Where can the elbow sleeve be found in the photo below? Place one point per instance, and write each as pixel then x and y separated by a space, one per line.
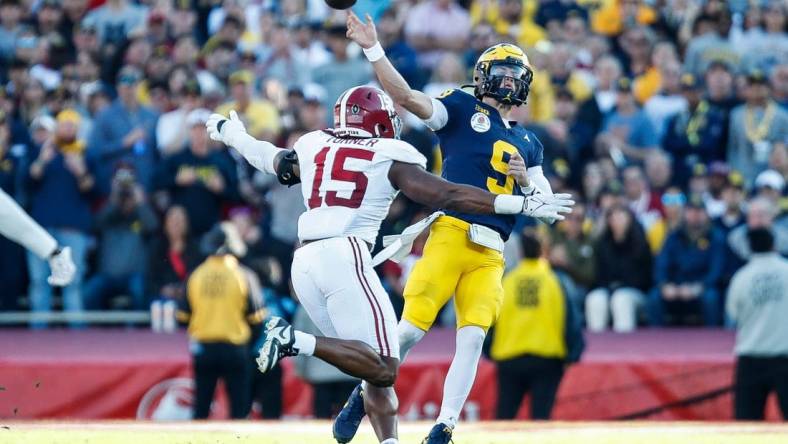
pixel 539 180
pixel 259 153
pixel 439 117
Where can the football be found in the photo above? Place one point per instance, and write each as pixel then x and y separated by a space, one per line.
pixel 340 4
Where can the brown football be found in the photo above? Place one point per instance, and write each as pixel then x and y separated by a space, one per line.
pixel 340 4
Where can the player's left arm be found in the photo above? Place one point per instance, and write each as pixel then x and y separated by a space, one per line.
pixel 264 156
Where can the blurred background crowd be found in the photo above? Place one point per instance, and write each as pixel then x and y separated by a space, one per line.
pixel 667 119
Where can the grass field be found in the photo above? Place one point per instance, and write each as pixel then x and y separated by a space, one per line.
pixel 316 432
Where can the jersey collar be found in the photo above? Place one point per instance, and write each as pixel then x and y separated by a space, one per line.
pixel 509 124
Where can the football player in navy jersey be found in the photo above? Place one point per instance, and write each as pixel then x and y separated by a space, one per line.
pixel 463 256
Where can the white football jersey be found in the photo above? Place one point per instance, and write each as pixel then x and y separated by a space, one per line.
pixel 345 183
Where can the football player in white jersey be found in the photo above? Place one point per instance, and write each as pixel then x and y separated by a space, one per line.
pixel 16 225
pixel 350 174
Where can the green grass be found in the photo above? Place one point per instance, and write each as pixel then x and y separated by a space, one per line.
pixel 314 432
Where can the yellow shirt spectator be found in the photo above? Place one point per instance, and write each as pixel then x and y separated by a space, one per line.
pixel 609 19
pixel 219 307
pixel 260 116
pixel 533 315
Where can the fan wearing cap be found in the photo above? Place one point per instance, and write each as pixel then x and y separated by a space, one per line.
pixel 695 135
pixel 627 134
pixel 259 115
pixel 172 132
pixel 61 186
pixel 123 131
pixel 755 126
pixel 688 269
pixel 199 178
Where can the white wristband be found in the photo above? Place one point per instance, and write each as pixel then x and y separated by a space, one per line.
pixel 509 204
pixel 374 53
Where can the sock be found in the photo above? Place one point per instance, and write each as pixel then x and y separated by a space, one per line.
pixel 390 441
pixel 304 343
pixel 408 335
pixel 461 374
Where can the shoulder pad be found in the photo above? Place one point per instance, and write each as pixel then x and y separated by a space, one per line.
pixel 401 151
pixel 285 169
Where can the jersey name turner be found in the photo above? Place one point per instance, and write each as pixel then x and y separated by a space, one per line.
pixel 345 184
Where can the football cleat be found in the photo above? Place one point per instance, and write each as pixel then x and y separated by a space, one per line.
pixel 279 341
pixel 440 434
pixel 349 419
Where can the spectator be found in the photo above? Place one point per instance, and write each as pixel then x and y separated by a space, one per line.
pixel 172 133
pixel 311 49
pixel 571 131
pixel 755 126
pixel 260 116
pixel 343 71
pixel 659 171
pixel 673 201
pixel 571 255
pixel 772 46
pixel 779 80
pixel 688 270
pixel 124 225
pixel 668 100
pixel 286 205
pixel 10 28
pixel 623 264
pixel 733 217
pixel 707 44
pixel 61 185
pixel 758 302
pixel 399 52
pixel 12 268
pixel 607 72
pixel 283 61
pixel 115 20
pixel 124 132
pixel 448 74
pixel 696 134
pixel 720 89
pixel 761 213
pixel 330 385
pixel 173 256
pixel 199 179
pixel 770 185
pixel 627 134
pixel 435 27
pixel 645 204
pixel 220 309
pixel 533 359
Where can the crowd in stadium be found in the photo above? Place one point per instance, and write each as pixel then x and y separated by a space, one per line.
pixel 667 119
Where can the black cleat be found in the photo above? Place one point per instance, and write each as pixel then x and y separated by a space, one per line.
pixel 279 341
pixel 349 419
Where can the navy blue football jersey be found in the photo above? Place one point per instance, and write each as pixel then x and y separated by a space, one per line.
pixel 476 146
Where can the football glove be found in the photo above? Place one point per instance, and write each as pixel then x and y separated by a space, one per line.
pixel 62 267
pixel 547 207
pixel 222 129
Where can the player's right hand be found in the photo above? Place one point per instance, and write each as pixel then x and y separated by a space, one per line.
pixel 62 268
pixel 548 206
pixel 362 33
pixel 225 130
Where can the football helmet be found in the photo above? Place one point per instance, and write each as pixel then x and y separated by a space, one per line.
pixel 366 111
pixel 497 63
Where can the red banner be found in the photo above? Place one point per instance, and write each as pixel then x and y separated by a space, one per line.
pixel 89 385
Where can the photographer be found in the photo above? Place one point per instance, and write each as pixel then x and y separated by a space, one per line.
pixel 123 226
